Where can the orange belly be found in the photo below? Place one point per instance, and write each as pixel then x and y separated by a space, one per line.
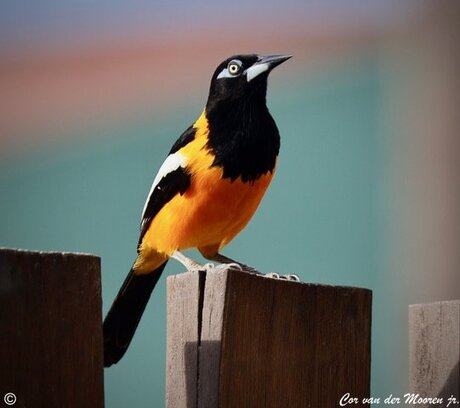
pixel 210 213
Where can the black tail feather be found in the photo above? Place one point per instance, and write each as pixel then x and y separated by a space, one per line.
pixel 121 322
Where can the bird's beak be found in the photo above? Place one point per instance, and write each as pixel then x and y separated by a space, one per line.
pixel 273 60
pixel 265 63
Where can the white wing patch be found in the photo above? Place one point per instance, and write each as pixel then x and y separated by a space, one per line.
pixel 255 70
pixel 172 162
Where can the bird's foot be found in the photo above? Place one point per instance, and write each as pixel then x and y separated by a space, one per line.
pixel 223 266
pixel 238 266
pixel 233 265
pixel 208 267
pixel 290 277
pixel 228 262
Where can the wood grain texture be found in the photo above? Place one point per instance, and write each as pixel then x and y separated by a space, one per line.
pixel 183 308
pixel 211 338
pixel 51 329
pixel 434 349
pixel 274 343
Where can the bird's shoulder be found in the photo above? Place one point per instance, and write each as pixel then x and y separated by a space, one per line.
pixel 184 139
pixel 172 178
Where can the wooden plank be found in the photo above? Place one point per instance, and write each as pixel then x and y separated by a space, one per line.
pixel 211 335
pixel 50 329
pixel 184 293
pixel 434 350
pixel 274 343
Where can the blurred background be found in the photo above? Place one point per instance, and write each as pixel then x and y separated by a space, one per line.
pixel 94 93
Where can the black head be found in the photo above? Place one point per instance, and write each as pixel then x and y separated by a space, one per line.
pixel 242 76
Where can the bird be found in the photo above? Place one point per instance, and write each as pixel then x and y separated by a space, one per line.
pixel 205 192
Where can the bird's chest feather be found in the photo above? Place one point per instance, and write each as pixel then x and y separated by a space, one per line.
pixel 215 209
pixel 215 197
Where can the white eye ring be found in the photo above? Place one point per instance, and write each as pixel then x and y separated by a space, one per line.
pixel 233 67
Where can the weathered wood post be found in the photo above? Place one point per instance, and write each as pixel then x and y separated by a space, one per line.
pixel 236 339
pixel 434 351
pixel 50 330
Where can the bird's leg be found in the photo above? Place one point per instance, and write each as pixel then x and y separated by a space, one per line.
pixel 190 264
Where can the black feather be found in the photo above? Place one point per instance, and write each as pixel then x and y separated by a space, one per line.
pixel 184 139
pixel 243 137
pixel 123 318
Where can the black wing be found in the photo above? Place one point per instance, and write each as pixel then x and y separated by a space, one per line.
pixel 174 182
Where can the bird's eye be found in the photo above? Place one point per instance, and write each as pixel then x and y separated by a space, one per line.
pixel 233 67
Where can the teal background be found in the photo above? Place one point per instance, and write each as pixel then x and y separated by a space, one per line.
pixel 322 217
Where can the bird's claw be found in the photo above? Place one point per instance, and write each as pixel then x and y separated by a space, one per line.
pixel 201 268
pixel 290 277
pixel 208 266
pixel 211 267
pixel 234 265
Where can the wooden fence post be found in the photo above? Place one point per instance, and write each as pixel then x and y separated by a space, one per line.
pixel 434 351
pixel 236 339
pixel 50 330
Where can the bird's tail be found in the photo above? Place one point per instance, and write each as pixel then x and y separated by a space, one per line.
pixel 121 322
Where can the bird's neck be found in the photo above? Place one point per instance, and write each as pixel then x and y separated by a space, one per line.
pixel 237 113
pixel 244 137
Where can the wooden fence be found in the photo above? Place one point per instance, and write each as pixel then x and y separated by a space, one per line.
pixel 50 330
pixel 434 353
pixel 234 339
pixel 241 340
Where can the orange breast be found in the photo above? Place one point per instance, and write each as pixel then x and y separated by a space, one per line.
pixel 211 212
